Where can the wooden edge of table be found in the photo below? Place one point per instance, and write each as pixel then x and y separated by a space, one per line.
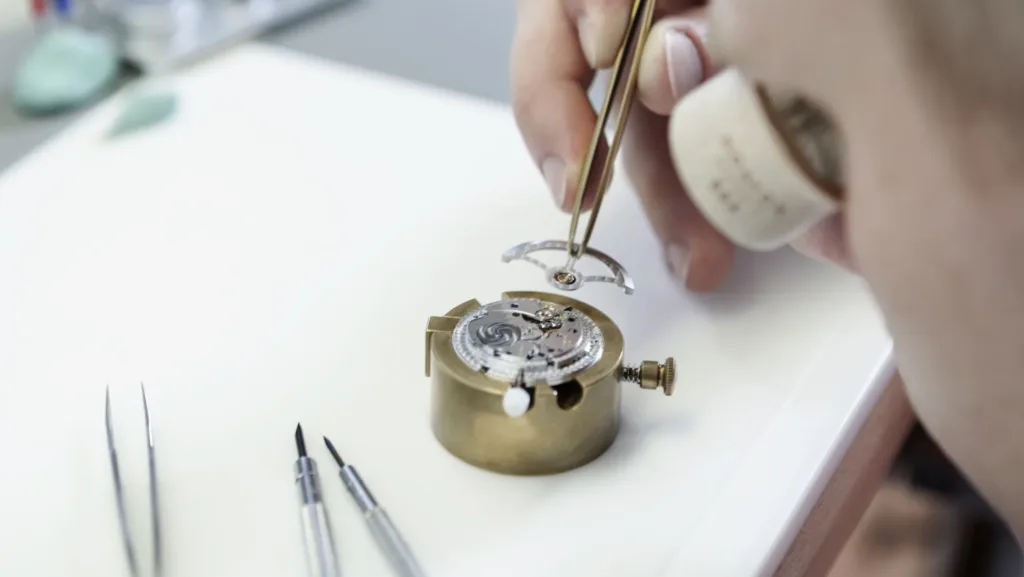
pixel 849 492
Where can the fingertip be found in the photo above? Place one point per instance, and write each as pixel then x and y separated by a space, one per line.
pixel 556 122
pixel 710 264
pixel 653 87
pixel 549 96
pixel 673 63
pixel 701 261
pixel 560 179
pixel 602 27
pixel 677 260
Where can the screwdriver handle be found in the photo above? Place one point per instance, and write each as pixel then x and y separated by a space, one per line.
pixel 392 544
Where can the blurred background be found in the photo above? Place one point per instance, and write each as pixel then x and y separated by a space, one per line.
pixel 925 522
pixel 460 45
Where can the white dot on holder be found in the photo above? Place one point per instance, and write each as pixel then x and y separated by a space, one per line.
pixel 515 402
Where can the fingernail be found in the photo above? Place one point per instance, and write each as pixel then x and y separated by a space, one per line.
pixel 678 260
pixel 553 170
pixel 601 32
pixel 685 62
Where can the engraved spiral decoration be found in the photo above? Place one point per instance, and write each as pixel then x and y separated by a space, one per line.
pixel 499 334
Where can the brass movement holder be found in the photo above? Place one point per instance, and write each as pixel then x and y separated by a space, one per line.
pixel 576 419
pixel 567 426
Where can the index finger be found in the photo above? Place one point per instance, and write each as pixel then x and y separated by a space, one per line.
pixel 550 76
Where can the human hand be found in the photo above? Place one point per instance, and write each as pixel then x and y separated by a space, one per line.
pixel 558 46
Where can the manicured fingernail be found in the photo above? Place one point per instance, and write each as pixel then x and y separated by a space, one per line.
pixel 678 260
pixel 553 170
pixel 685 62
pixel 601 32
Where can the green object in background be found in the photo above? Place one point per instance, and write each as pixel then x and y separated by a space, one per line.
pixel 67 69
pixel 144 108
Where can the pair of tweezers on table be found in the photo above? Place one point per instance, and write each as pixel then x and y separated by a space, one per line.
pixel 154 511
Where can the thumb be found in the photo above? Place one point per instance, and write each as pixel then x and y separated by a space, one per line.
pixel 675 60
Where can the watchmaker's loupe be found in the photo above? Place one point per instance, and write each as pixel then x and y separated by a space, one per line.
pixel 530 384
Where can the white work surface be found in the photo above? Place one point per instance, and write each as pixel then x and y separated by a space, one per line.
pixel 272 256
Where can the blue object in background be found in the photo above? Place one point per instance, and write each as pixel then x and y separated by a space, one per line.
pixel 62 8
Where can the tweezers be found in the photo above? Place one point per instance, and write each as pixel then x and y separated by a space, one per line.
pixel 133 564
pixel 621 89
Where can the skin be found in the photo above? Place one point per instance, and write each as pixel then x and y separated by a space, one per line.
pixel 926 97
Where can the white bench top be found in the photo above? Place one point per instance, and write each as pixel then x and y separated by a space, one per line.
pixel 272 256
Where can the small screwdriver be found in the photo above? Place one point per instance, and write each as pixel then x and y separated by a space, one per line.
pixel 321 559
pixel 390 541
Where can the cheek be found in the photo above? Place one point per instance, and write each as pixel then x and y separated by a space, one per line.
pixel 869 223
pixel 883 220
pixel 732 32
pixel 791 44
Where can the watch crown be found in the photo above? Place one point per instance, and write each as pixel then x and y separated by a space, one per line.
pixel 652 375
